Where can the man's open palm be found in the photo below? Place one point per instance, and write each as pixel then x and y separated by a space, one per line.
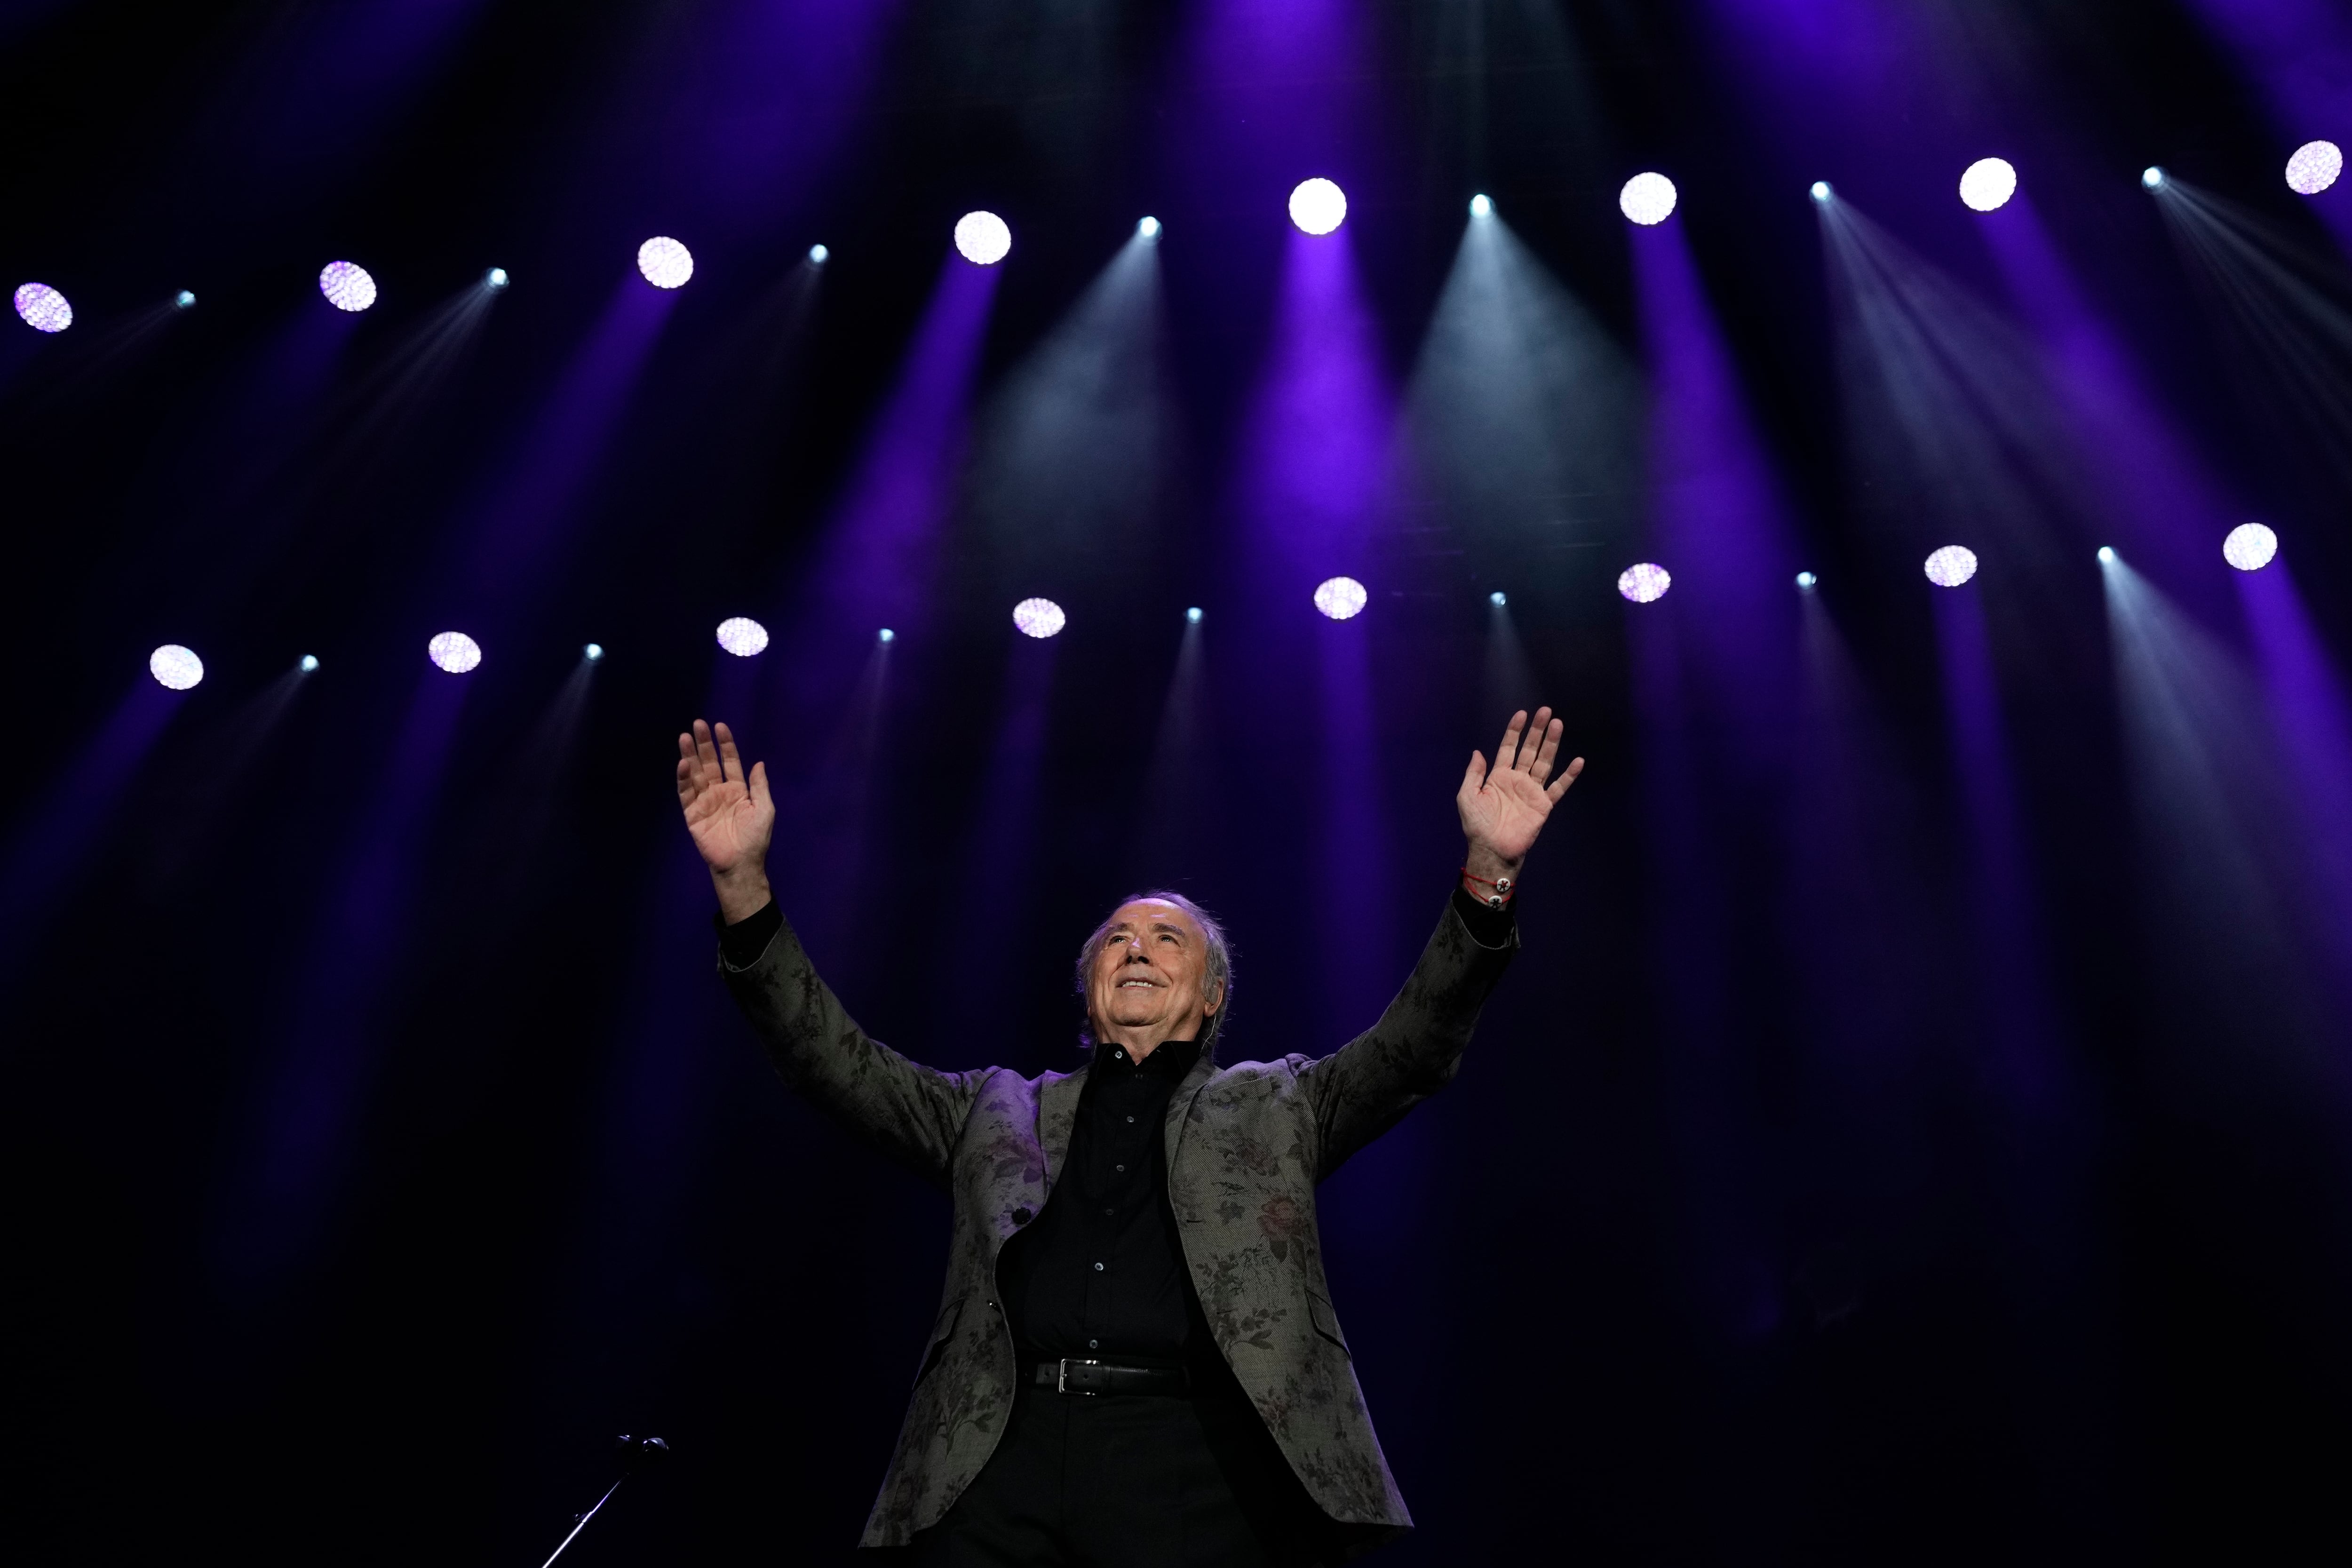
pixel 1504 809
pixel 730 816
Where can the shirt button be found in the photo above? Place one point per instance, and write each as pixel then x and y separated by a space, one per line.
pixel 1130 1119
pixel 1108 1210
pixel 1118 1167
pixel 1093 1344
pixel 1098 1268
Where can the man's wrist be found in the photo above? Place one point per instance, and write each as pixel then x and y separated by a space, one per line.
pixel 743 892
pixel 1489 868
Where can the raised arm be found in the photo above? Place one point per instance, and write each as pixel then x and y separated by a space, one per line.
pixel 729 816
pixel 911 1112
pixel 1367 1085
pixel 1504 809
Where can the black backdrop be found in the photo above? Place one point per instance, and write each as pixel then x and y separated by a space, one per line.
pixel 569 1201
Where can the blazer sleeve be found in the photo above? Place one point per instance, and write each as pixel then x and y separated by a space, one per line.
pixel 1365 1088
pixel 909 1111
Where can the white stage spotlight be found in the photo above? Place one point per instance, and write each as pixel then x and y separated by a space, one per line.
pixel 1821 192
pixel 175 667
pixel 982 239
pixel 1481 207
pixel 1497 598
pixel 2152 177
pixel 1038 618
pixel 2106 554
pixel 1193 615
pixel 1148 228
pixel 347 285
pixel 593 652
pixel 1951 566
pixel 185 299
pixel 2314 166
pixel 1988 184
pixel 453 651
pixel 885 635
pixel 1806 579
pixel 742 636
pixel 1647 199
pixel 665 263
pixel 1318 207
pixel 2249 547
pixel 819 256
pixel 43 307
pixel 496 278
pixel 1644 582
pixel 1341 598
pixel 308 664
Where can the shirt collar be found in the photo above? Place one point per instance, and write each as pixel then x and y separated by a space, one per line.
pixel 1171 1058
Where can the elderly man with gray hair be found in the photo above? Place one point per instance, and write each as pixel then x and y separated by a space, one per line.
pixel 1136 1362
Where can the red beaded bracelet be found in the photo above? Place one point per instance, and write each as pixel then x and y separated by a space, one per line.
pixel 1503 886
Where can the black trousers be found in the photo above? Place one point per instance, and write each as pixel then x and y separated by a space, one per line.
pixel 1132 1481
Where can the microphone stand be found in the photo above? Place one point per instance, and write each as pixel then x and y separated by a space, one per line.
pixel 635 1451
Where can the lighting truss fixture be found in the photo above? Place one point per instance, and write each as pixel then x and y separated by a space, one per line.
pixel 43 309
pixel 885 635
pixel 1193 615
pixel 819 254
pixel 2152 177
pixel 185 299
pixel 1341 598
pixel 1318 207
pixel 453 651
pixel 308 664
pixel 1480 206
pixel 1148 228
pixel 1644 582
pixel 347 285
pixel 1039 618
pixel 1986 184
pixel 2314 166
pixel 1821 192
pixel 1951 566
pixel 1647 199
pixel 665 263
pixel 2249 547
pixel 1806 579
pixel 593 652
pixel 742 636
pixel 175 667
pixel 496 278
pixel 982 239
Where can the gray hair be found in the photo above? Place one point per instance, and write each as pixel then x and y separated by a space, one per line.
pixel 1216 977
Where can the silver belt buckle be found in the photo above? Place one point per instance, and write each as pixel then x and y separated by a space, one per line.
pixel 1062 1374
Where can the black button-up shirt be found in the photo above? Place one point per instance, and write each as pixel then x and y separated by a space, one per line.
pixel 1099 1273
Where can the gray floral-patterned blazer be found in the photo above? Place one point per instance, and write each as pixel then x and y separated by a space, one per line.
pixel 1246 1146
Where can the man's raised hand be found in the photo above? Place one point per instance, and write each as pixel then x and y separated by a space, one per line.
pixel 1504 809
pixel 729 815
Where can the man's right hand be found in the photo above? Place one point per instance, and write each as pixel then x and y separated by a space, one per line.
pixel 730 816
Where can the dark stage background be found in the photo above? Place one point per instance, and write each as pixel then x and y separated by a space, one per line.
pixel 1915 1131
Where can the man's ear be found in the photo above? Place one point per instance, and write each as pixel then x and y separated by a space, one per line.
pixel 1217 1000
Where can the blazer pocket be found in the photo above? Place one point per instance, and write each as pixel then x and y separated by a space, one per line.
pixel 942 1332
pixel 1327 1322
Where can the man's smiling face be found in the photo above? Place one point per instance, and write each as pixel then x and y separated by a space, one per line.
pixel 1145 984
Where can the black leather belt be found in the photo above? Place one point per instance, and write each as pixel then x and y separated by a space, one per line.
pixel 1072 1375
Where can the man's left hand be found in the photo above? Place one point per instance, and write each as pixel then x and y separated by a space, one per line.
pixel 1503 810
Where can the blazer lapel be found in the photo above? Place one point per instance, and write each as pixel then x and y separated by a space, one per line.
pixel 1057 1113
pixel 1180 1104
